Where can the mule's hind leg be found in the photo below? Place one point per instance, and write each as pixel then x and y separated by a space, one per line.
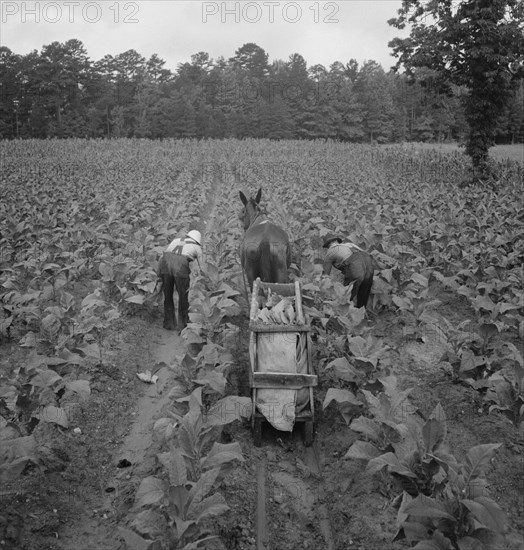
pixel 250 274
pixel 279 271
pixel 168 282
pixel 280 261
pixel 281 276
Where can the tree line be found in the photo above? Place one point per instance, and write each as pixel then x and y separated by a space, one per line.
pixel 60 92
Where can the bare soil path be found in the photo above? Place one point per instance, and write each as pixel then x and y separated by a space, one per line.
pixel 134 458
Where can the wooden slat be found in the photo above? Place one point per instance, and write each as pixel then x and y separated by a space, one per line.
pixel 253 407
pixel 300 417
pixel 283 381
pixel 252 355
pixel 310 371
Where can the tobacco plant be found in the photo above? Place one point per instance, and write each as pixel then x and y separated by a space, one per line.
pixel 462 517
pixel 194 463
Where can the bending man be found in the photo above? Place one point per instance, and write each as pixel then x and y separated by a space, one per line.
pixel 174 270
pixel 355 264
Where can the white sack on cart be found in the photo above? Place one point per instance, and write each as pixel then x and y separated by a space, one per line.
pixel 276 352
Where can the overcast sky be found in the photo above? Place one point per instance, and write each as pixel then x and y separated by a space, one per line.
pixel 322 32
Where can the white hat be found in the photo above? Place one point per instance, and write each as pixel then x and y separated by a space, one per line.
pixel 195 236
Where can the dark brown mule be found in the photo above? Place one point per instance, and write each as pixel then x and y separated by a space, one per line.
pixel 265 251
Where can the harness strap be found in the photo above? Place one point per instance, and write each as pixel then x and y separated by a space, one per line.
pixel 255 219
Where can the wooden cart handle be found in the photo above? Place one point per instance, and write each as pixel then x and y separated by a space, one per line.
pixel 298 304
pixel 254 298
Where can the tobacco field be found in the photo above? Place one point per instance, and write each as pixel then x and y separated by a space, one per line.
pixel 420 404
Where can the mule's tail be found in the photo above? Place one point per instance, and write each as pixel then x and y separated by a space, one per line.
pixel 265 262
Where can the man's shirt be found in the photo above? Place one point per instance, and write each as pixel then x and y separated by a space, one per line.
pixel 337 255
pixel 190 250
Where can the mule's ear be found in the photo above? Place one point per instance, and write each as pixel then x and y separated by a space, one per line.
pixel 242 198
pixel 259 196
